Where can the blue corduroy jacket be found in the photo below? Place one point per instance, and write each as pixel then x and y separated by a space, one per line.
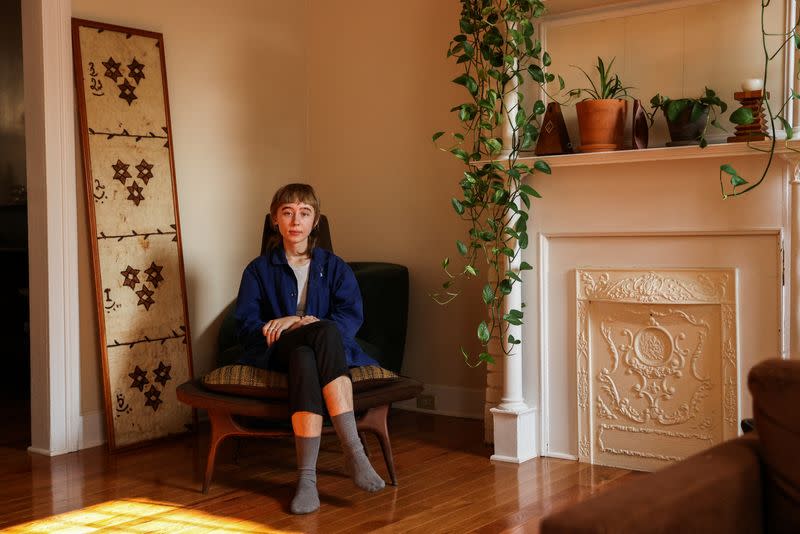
pixel 269 291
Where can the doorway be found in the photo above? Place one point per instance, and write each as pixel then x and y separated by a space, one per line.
pixel 14 308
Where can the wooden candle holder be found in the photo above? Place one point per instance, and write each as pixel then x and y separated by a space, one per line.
pixel 756 130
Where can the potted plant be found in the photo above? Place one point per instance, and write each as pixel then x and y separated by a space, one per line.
pixel 601 115
pixel 688 119
pixel 498 51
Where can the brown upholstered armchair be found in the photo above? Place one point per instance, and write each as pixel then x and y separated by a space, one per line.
pixel 750 484
pixel 239 398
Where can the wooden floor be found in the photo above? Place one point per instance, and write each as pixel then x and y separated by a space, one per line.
pixel 446 484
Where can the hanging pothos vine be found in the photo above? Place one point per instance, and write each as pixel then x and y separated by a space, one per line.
pixel 498 50
pixel 744 116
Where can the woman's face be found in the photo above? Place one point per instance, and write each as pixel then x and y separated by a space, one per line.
pixel 295 221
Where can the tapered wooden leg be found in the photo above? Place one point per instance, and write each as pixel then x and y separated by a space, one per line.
pixel 374 420
pixel 222 426
pixel 363 436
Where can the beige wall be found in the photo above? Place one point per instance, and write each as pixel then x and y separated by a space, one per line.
pixel 237 90
pixel 378 88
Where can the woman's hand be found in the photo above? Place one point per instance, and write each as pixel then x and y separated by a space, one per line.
pixel 272 330
pixel 306 319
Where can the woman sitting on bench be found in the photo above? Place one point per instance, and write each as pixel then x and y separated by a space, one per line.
pixel 298 310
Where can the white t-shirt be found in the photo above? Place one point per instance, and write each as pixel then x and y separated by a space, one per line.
pixel 301 274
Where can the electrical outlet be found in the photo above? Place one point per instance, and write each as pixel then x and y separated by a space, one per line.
pixel 426 402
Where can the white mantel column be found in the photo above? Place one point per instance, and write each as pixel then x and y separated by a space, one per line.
pixel 794 261
pixel 514 422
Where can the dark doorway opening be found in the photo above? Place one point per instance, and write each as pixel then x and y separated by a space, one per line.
pixel 15 379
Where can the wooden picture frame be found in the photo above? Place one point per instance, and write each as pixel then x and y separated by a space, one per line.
pixel 140 288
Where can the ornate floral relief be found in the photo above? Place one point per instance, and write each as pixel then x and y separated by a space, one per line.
pixel 652 287
pixel 603 411
pixel 728 317
pixel 655 366
pixel 730 402
pixel 655 358
pixel 583 448
pixel 644 454
pixel 583 389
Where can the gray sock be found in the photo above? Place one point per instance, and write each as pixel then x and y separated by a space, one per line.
pixel 306 498
pixel 356 461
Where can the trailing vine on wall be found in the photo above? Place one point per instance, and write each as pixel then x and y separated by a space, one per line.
pixel 499 52
pixel 744 116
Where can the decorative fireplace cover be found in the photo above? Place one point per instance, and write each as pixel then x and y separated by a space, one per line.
pixel 657 364
pixel 136 241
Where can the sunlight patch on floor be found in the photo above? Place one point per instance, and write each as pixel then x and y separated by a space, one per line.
pixel 140 515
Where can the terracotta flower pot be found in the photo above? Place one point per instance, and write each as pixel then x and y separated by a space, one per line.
pixel 602 124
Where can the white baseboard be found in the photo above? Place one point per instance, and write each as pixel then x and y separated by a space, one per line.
pixel 561 456
pixel 93 429
pixel 450 400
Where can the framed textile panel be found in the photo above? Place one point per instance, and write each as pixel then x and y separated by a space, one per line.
pixel 136 241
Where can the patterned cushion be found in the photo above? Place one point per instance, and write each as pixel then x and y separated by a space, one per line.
pixel 370 376
pixel 249 381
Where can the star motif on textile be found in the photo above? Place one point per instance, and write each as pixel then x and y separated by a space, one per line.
pixel 145 171
pixel 145 297
pixel 126 92
pixel 136 71
pixel 131 277
pixel 121 171
pixel 135 191
pixel 112 69
pixel 139 377
pixel 154 274
pixel 162 373
pixel 153 399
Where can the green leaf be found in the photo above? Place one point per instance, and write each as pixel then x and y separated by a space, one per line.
pixel 536 73
pixel 737 180
pixel 742 116
pixel 436 136
pixel 457 205
pixel 512 320
pixel 513 275
pixel 697 112
pixel 521 118
pixel 675 107
pixel 488 294
pixel 546 59
pixel 539 107
pixel 525 266
pixel 483 332
pixel 460 154
pixel 525 200
pixel 528 190
pixel 728 169
pixel 445 263
pixel 796 41
pixel 485 357
pixel 494 145
pixel 462 248
pixel 523 240
pixel 541 166
pixel 787 127
pixel 504 286
pixel 471 270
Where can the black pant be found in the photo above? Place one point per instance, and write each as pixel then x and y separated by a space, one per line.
pixel 313 356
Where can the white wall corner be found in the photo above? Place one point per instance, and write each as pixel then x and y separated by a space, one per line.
pixel 515 438
pixel 52 226
pixel 93 429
